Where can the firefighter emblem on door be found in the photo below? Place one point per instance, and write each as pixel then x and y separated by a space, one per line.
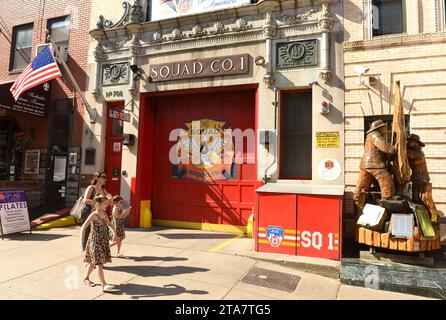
pixel 205 152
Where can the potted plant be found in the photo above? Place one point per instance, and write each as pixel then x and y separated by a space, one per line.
pixel 22 141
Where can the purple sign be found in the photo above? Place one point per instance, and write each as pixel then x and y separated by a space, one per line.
pixel 14 215
pixel 35 101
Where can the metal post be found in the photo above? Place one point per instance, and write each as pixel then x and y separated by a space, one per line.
pixel 91 111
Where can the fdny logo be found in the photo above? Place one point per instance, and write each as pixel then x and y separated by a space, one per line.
pixel 205 152
pixel 275 236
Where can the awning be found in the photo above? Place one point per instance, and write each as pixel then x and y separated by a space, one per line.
pixel 34 101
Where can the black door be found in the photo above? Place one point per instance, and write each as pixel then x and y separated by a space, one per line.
pixel 61 118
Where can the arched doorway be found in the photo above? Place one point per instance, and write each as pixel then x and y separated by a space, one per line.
pixel 10 161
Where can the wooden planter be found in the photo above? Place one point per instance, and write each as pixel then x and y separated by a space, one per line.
pixel 417 243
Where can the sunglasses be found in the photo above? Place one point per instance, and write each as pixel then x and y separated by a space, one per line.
pixel 105 177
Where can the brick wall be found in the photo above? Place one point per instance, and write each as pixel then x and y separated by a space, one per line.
pixel 418 62
pixel 16 13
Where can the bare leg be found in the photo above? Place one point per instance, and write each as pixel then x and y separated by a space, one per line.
pixel 101 274
pixel 112 244
pixel 89 271
pixel 119 243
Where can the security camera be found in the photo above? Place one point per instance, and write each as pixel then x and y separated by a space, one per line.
pixel 360 71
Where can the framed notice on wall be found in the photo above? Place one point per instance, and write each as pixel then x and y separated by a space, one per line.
pixel 32 161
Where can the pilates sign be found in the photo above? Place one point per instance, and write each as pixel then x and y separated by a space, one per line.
pixel 14 217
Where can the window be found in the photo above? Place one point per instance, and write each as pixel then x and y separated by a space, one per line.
pixel 21 47
pixel 60 34
pixel 388 119
pixel 296 135
pixel 388 17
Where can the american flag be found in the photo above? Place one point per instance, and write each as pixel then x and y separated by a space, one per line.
pixel 42 69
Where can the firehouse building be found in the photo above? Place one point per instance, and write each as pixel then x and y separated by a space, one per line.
pixel 174 79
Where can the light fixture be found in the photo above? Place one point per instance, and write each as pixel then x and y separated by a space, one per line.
pixel 137 71
pixel 259 61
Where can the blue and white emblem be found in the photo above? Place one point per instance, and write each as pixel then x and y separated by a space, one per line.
pixel 275 235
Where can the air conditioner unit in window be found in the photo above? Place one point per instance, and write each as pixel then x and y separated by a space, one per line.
pixel 63 50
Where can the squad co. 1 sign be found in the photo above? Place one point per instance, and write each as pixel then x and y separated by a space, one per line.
pixel 199 68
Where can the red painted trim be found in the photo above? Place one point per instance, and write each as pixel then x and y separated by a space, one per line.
pixel 282 92
pixel 204 90
pixel 134 214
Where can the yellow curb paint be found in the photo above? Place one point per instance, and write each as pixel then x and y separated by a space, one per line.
pixel 199 226
pixel 226 243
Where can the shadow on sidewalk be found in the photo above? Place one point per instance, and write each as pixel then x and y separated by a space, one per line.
pixel 25 236
pixel 147 258
pixel 137 291
pixel 155 271
pixel 197 235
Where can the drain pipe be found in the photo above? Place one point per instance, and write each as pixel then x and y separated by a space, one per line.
pixel 276 105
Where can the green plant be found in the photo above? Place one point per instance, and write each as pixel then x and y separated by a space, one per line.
pixel 22 141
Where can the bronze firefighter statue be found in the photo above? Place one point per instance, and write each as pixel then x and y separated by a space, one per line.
pixel 421 186
pixel 374 164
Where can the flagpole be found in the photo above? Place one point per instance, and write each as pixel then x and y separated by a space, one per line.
pixel 91 111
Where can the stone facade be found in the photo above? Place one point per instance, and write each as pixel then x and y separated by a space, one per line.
pixel 415 58
pixel 256 29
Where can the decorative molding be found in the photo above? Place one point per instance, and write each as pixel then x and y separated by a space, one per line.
pixel 297 54
pixel 99 54
pixel 241 25
pixel 297 19
pixel 132 91
pixel 106 24
pixel 325 21
pixel 176 35
pixel 135 47
pixel 269 26
pixel 108 44
pixel 218 28
pixel 115 73
pixel 396 40
pixel 269 80
pixel 136 12
pixel 157 37
pixel 197 31
pixel 325 75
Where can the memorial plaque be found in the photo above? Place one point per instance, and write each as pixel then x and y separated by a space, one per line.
pixel 116 73
pixel 297 54
pixel 35 101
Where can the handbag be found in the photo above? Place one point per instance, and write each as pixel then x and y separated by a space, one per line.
pixel 78 207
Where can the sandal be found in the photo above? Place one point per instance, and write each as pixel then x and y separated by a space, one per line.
pixel 120 255
pixel 89 283
pixel 107 288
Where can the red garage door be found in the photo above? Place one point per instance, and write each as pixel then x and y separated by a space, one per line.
pixel 181 196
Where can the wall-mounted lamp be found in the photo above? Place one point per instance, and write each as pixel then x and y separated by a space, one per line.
pixel 137 71
pixel 260 61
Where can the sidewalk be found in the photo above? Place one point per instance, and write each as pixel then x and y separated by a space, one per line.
pixel 161 264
